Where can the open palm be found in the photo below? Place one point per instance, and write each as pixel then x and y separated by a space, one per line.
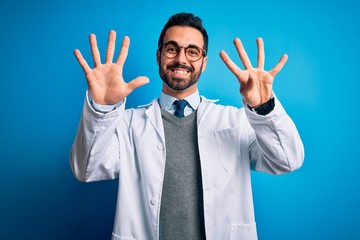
pixel 255 83
pixel 105 81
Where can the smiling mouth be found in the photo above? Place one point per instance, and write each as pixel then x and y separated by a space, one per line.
pixel 180 71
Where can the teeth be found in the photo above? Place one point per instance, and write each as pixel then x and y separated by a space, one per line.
pixel 178 71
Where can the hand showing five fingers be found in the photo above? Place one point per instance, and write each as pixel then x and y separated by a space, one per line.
pixel 255 83
pixel 105 81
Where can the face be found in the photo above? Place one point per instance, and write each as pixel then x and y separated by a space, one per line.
pixel 179 74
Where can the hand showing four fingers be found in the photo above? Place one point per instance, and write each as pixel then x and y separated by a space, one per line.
pixel 105 81
pixel 255 83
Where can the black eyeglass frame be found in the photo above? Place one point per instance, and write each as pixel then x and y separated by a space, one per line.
pixel 203 52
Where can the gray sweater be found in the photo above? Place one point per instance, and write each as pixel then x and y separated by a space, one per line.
pixel 181 212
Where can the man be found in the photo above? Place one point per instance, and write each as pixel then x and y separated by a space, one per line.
pixel 183 166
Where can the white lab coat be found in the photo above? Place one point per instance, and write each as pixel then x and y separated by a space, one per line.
pixel 130 145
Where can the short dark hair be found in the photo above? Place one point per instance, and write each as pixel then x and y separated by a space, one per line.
pixel 186 20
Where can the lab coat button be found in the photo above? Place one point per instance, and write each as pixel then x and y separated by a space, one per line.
pixel 160 146
pixel 153 201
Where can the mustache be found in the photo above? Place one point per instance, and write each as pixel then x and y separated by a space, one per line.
pixel 178 65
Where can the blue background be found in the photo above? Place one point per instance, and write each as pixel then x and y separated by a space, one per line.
pixel 43 87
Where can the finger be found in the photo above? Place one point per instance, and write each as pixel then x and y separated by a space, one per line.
pixel 82 61
pixel 137 82
pixel 124 51
pixel 232 67
pixel 110 47
pixel 94 50
pixel 279 65
pixel 242 53
pixel 261 53
pixel 229 63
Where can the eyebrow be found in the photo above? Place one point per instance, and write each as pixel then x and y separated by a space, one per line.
pixel 177 44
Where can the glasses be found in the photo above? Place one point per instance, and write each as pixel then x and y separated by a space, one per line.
pixel 171 49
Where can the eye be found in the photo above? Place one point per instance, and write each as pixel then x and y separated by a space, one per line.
pixel 193 52
pixel 171 49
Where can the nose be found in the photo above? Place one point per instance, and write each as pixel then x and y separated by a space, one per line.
pixel 181 57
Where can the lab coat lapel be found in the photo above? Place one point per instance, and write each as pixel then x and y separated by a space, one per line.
pixel 153 114
pixel 202 109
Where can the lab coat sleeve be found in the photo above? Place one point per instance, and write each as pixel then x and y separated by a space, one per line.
pixel 274 142
pixel 95 152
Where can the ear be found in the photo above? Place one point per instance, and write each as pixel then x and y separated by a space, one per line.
pixel 158 57
pixel 204 64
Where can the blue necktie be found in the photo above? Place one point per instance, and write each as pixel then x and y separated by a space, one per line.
pixel 179 108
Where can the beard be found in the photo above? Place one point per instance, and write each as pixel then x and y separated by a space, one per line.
pixel 179 84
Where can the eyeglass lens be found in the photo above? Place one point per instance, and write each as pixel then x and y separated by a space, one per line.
pixel 193 53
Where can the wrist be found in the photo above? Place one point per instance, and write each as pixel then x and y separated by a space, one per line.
pixel 264 108
pixel 103 108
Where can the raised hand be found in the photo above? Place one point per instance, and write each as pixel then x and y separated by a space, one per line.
pixel 255 83
pixel 105 81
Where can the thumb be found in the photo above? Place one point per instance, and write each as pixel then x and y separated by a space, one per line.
pixel 138 82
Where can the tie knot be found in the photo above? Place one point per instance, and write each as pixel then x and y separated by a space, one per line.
pixel 180 105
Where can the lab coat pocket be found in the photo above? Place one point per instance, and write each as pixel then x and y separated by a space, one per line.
pixel 227 142
pixel 117 237
pixel 243 232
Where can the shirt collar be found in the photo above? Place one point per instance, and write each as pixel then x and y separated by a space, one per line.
pixel 166 101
